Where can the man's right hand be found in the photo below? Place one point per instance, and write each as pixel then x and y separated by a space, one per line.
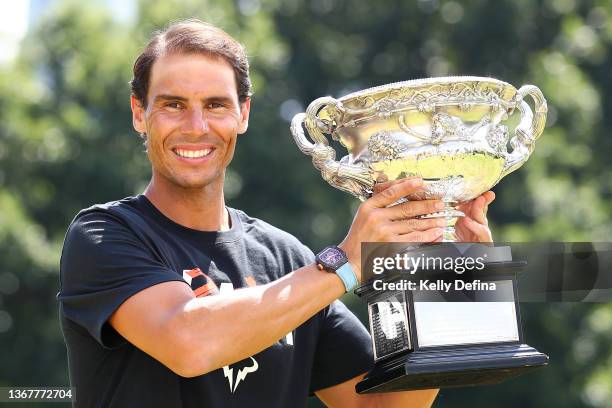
pixel 377 221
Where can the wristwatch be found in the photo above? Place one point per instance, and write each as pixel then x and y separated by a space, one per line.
pixel 333 259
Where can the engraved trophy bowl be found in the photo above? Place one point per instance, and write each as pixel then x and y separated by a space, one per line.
pixel 449 131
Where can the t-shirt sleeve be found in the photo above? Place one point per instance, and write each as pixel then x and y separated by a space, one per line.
pixel 103 264
pixel 344 348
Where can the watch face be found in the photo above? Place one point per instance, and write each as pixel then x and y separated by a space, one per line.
pixel 332 258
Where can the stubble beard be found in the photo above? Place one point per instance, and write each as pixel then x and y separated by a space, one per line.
pixel 190 184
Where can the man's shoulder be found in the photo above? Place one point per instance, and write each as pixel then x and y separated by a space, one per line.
pixel 119 218
pixel 111 206
pixel 116 210
pixel 263 229
pixel 269 234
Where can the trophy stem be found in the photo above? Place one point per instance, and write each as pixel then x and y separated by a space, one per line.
pixel 451 214
pixel 450 234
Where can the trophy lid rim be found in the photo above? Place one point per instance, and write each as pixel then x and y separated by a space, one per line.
pixel 419 82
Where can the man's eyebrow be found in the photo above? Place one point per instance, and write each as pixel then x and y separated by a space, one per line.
pixel 169 98
pixel 219 98
pixel 213 98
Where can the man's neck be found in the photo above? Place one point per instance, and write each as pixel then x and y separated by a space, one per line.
pixel 200 209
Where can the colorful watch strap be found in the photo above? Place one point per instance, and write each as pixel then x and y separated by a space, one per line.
pixel 346 274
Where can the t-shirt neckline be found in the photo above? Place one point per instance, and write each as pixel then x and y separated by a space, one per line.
pixel 211 237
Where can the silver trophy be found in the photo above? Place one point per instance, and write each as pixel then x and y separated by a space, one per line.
pixel 450 131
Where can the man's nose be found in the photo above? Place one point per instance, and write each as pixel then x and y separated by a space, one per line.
pixel 196 123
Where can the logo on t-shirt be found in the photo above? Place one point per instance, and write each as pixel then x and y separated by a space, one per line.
pixel 241 373
pixel 200 283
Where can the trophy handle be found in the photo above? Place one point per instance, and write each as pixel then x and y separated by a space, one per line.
pixel 353 179
pixel 529 128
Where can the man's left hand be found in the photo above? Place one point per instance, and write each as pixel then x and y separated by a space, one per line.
pixel 474 227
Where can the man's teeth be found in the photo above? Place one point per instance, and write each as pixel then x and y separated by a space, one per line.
pixel 192 153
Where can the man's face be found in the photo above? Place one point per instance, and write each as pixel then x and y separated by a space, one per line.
pixel 192 119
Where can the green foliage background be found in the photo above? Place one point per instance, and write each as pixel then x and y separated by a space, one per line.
pixel 66 142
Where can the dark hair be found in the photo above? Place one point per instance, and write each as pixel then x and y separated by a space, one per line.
pixel 191 36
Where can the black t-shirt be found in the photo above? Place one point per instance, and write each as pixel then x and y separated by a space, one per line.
pixel 113 251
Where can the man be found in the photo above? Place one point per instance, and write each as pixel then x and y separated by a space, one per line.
pixel 171 299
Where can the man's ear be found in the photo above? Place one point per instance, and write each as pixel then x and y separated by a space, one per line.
pixel 245 109
pixel 138 115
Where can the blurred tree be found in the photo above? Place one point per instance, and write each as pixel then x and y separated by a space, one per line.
pixel 66 142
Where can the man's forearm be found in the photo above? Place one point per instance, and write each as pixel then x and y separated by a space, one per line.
pixel 232 326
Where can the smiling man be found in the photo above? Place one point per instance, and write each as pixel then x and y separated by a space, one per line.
pixel 173 299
